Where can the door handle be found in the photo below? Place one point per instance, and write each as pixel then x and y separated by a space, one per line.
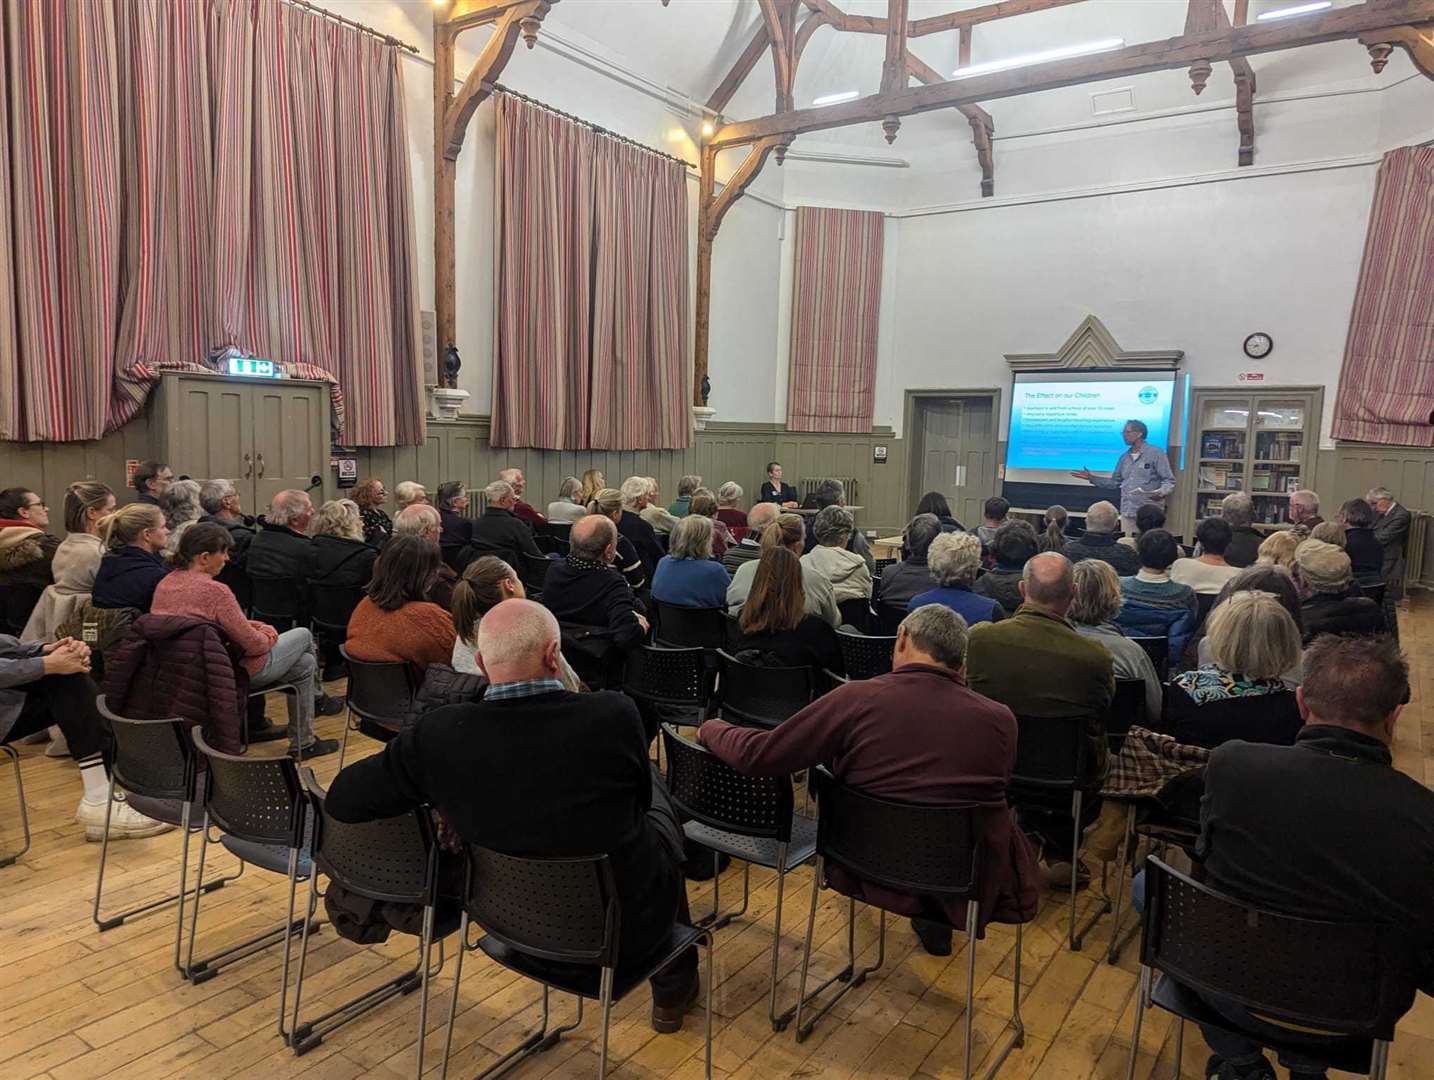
pixel 261 466
pixel 248 466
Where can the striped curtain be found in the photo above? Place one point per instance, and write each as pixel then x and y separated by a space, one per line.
pixel 836 308
pixel 201 179
pixel 591 294
pixel 1386 387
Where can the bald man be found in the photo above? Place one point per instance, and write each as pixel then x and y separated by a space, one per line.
pixel 515 479
pixel 750 546
pixel 475 763
pixel 1037 665
pixel 586 589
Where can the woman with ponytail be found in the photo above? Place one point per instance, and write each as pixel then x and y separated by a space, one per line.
pixel 76 560
pixel 1054 538
pixel 134 536
pixel 487 581
pixel 608 503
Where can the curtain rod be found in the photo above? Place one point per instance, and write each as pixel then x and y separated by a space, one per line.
pixel 369 30
pixel 598 128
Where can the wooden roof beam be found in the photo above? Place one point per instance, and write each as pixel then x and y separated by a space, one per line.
pixel 516 19
pixel 983 128
pixel 1377 17
pixel 759 43
pixel 960 20
pixel 1417 41
pixel 1207 16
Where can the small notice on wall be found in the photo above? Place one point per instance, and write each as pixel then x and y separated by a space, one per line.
pixel 131 466
pixel 1251 376
pixel 878 455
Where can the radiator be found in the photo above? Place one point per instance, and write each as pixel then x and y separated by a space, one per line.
pixel 1416 550
pixel 848 483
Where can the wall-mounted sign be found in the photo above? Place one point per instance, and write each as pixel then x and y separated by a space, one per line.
pixel 131 466
pixel 878 455
pixel 253 367
pixel 1251 376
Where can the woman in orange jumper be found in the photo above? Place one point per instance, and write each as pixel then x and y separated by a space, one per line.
pixel 394 622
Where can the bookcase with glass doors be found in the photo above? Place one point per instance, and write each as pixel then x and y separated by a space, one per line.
pixel 1263 443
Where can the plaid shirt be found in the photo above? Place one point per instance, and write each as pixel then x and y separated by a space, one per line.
pixel 521 688
pixel 1146 762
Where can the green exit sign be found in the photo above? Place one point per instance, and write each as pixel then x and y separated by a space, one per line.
pixel 253 366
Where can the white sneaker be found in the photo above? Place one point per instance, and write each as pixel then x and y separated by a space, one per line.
pixel 59 746
pixel 126 823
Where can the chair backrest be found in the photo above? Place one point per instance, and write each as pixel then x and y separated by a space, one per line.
pixel 564 910
pixel 1158 649
pixel 1374 592
pixel 1204 601
pixel 1351 978
pixel 707 789
pixel 253 798
pixel 379 691
pixel 668 676
pixel 153 758
pixel 888 618
pixel 881 565
pixel 855 611
pixel 761 696
pixel 1050 752
pixel 683 627
pixel 866 656
pixel 908 847
pixel 392 860
pixel 558 530
pixel 1126 708
pixel 331 605
pixel 16 604
pixel 276 598
pixel 533 570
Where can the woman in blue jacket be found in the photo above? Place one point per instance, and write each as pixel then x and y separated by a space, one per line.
pixel 686 576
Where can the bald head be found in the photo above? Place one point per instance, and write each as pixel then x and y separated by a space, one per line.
pixel 762 515
pixel 1048 582
pixel 593 538
pixel 519 640
pixel 420 519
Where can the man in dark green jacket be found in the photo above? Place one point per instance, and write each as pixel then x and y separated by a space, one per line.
pixel 1037 665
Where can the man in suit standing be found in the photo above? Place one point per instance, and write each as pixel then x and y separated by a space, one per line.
pixel 1391 529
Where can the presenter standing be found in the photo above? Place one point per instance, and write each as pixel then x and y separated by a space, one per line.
pixel 1142 475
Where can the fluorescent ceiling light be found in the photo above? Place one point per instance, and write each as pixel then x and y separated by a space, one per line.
pixel 835 99
pixel 1291 12
pixel 1042 57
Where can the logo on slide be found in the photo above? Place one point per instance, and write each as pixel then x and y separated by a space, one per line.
pixel 1149 395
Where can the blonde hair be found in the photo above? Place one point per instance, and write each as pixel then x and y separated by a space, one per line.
pixel 1097 593
pixel 952 557
pixel 593 482
pixel 81 497
pixel 123 527
pixel 606 501
pixel 338 517
pixel 691 538
pixel 784 532
pixel 1252 634
pixel 1278 549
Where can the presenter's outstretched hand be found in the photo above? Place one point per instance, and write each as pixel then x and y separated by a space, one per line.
pixel 1086 475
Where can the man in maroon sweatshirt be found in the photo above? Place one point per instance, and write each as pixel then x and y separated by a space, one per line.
pixel 918 735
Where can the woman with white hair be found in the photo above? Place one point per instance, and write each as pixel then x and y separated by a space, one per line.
pixel 687 576
pixel 340 555
pixel 954 558
pixel 729 509
pixel 846 570
pixel 180 503
pixel 566 509
pixel 1094 606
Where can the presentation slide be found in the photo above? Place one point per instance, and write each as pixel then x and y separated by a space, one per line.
pixel 1064 421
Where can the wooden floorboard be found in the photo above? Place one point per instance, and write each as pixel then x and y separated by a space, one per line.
pixel 79 1004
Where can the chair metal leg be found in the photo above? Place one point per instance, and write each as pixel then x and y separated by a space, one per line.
pixel 1179 1046
pixel 1077 934
pixel 348 726
pixel 1017 1038
pixel 288 941
pixel 707 1049
pixel 6 860
pixel 972 911
pixel 535 1042
pixel 1142 994
pixel 1379 1060
pixel 778 1022
pixel 849 975
pixel 1117 941
pixel 423 989
pixel 606 1001
pixel 716 920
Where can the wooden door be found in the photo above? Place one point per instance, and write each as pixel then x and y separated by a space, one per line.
pixel 955 437
pixel 212 426
pixel 291 424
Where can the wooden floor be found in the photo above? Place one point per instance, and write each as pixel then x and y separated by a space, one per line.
pixel 76 1004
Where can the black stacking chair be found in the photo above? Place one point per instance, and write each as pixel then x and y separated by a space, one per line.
pixel 558 530
pixel 881 565
pixel 154 759
pixel 1126 709
pixel 330 607
pixel 380 696
pixel 928 851
pixel 392 860
pixel 856 613
pixel 533 570
pixel 1204 601
pixel 667 681
pixel 1374 592
pixel 259 808
pixel 276 600
pixel 888 618
pixel 1050 764
pixel 751 818
pixel 865 656
pixel 1158 649
pixel 761 696
pixel 556 921
pixel 1350 982
pixel 684 628
pixel 6 860
pixel 457 556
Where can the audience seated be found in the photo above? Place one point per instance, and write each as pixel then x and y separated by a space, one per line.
pixel 341 557
pixel 1013 546
pixel 1208 571
pixel 369 497
pixel 474 764
pixel 788 531
pixel 422 521
pixel 151 480
pixel 1238 510
pixel 1304 512
pixel 633 527
pixel 954 558
pixel 833 493
pixel 1332 603
pixel 993 516
pixel 131 567
pixel 222 506
pixel 180 503
pixel 750 546
pixel 1037 665
pixel 395 621
pixel 1240 693
pixel 776 491
pixel 1093 609
pixel 76 560
pixel 487 581
pixel 776 630
pixel 409 493
pixel 608 503
pixel 45 683
pixel 704 503
pixel 654 513
pixel 916 735
pixel 593 482
pixel 682 505
pixel 565 509
pixel 933 502
pixel 522 511
pixel 458 528
pixel 847 571
pixel 1262 578
pixel 687 576
pixel 1101 540
pixel 1150 516
pixel 1278 549
pixel 1053 537
pixel 1366 556
pixel 912 575
pixel 26 550
pixel 729 509
pixel 499 531
pixel 1324 829
pixel 585 588
pixel 190 591
pixel 1152 605
pixel 283 550
pixel 1331 532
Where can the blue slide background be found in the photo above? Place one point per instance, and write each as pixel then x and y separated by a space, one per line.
pixel 1077 424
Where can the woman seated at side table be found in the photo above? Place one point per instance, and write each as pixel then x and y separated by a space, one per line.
pixel 686 576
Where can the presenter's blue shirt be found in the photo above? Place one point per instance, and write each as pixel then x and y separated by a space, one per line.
pixel 1140 471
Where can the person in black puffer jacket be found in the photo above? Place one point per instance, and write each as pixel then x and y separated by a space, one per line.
pixel 128 573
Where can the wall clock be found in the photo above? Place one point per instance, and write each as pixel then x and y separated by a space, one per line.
pixel 1259 345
